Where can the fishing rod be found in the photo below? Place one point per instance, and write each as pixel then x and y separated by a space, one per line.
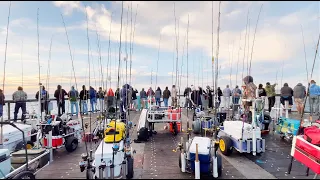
pixel 109 54
pixel 245 45
pixel 158 62
pixel 4 66
pixel 254 37
pixel 305 54
pixel 48 69
pixel 248 47
pixel 21 63
pixel 238 60
pixel 133 33
pixel 188 79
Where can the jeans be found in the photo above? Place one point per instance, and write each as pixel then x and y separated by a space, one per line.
pixel 165 101
pixel 286 98
pixel 93 101
pixel 74 103
pixel 158 102
pixel 1 110
pixel 19 105
pixel 61 106
pixel 271 101
pixel 314 105
pixel 226 102
pixel 84 106
pixel 235 100
pixel 101 104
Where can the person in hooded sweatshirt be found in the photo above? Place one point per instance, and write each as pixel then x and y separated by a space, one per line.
pixel 59 94
pixel 143 98
pixel 236 94
pixel 125 99
pixel 226 97
pixel 219 96
pixel 110 98
pixel 19 97
pixel 314 98
pixel 158 96
pixel 93 98
pixel 84 96
pixel 44 99
pixel 174 96
pixel 286 94
pixel 299 93
pixel 271 93
pixel 134 99
pixel 1 102
pixel 166 95
pixel 73 98
pixel 210 97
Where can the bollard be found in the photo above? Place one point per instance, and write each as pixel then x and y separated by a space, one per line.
pixel 197 165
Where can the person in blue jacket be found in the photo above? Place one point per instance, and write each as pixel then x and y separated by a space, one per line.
pixel 314 98
pixel 93 98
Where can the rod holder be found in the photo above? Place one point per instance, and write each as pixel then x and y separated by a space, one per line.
pixel 197 164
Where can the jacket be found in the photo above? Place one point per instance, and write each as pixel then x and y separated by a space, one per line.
pixel 134 94
pixel 270 90
pixel 166 94
pixel 226 92
pixel 73 95
pixel 262 92
pixel 143 94
pixel 286 91
pixel 158 94
pixel 150 92
pixel 314 90
pixel 59 94
pixel 236 92
pixel 2 98
pixel 250 91
pixel 100 94
pixel 299 91
pixel 19 96
pixel 174 92
pixel 84 95
pixel 44 96
pixel 93 93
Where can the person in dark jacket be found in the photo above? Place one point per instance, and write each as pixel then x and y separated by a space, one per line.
pixel 261 91
pixel 134 99
pixel 100 96
pixel 219 96
pixel 44 99
pixel 59 94
pixel 186 94
pixel 143 98
pixel 166 96
pixel 286 94
pixel 117 97
pixel 20 97
pixel 158 94
pixel 196 98
pixel 73 99
pixel 84 96
pixel 124 95
pixel 1 102
pixel 210 97
pixel 93 98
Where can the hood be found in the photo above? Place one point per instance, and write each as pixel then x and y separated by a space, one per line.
pixel 285 85
pixel 299 84
pixel 312 85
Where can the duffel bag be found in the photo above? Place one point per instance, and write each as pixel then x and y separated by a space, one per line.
pixel 312 135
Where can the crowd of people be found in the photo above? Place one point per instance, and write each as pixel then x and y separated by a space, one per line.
pixel 127 97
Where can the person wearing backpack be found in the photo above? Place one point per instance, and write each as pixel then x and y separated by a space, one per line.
pixel 236 93
pixel 93 98
pixel 73 98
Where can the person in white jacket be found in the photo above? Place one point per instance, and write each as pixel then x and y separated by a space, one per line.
pixel 226 97
pixel 174 96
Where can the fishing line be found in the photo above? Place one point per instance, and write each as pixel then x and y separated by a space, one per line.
pixel 109 54
pixel 217 62
pixel 134 29
pixel 21 64
pixel 245 45
pixel 158 62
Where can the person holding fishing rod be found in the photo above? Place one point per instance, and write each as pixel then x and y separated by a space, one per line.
pixel 44 99
pixel 59 94
pixel 271 93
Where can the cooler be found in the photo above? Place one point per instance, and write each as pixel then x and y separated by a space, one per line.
pixel 306 153
pixel 12 136
pixel 174 114
pixel 5 162
pixel 57 141
pixel 285 124
pixel 204 148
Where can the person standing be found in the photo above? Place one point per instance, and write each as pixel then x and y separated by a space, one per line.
pixel 219 96
pixel 117 97
pixel 93 98
pixel 226 97
pixel 236 93
pixel 174 96
pixel 84 95
pixel 158 96
pixel 166 95
pixel 134 99
pixel 143 98
pixel 314 95
pixel 210 97
pixel 44 99
pixel 100 96
pixel 286 94
pixel 261 91
pixel 73 98
pixel 19 97
pixel 271 94
pixel 2 98
pixel 110 98
pixel 299 93
pixel 59 94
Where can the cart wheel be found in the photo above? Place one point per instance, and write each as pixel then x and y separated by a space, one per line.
pixel 71 143
pixel 24 175
pixel 225 145
pixel 130 168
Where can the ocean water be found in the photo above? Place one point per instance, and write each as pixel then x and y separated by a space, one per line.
pixel 33 106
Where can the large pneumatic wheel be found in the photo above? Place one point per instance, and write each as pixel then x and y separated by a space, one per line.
pixel 130 168
pixel 71 143
pixel 196 127
pixel 225 145
pixel 25 175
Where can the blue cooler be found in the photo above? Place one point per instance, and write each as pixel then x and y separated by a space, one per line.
pixel 204 148
pixel 285 124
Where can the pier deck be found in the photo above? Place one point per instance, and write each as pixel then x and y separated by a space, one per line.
pixel 156 160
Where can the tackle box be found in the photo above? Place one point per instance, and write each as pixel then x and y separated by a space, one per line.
pixel 285 124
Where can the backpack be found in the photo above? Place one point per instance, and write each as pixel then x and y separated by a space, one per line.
pixel 311 134
pixel 93 93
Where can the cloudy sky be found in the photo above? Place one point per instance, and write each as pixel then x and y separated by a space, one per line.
pixel 278 46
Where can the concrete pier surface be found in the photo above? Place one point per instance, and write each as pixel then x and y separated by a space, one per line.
pixel 155 159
